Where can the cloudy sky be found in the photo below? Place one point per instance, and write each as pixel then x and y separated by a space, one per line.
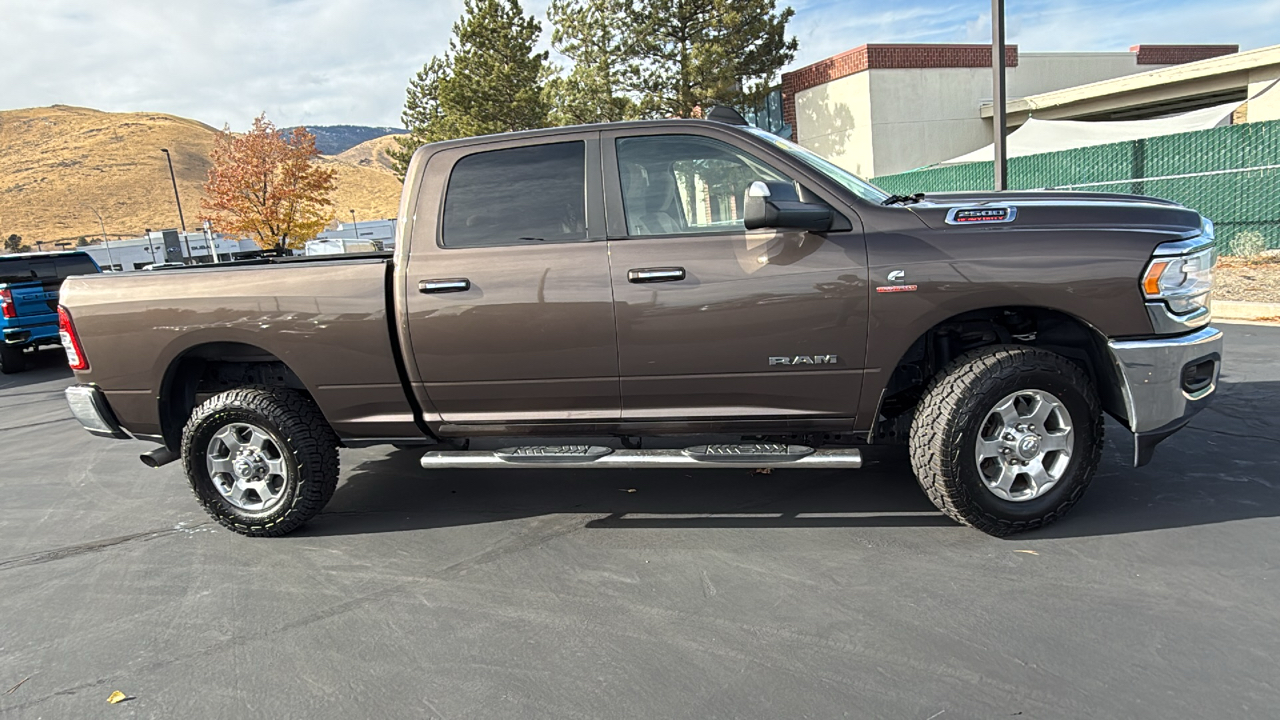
pixel 348 61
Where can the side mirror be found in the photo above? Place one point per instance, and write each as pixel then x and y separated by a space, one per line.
pixel 776 205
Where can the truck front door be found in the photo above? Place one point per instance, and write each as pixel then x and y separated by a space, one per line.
pixel 716 322
pixel 510 311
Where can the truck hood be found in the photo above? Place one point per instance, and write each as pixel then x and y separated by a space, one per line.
pixel 1058 209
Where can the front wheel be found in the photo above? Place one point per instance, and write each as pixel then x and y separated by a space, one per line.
pixel 1007 438
pixel 262 461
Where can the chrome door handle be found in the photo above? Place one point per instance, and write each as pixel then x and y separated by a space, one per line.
pixel 655 275
pixel 444 286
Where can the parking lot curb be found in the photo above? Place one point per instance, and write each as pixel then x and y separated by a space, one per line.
pixel 1237 310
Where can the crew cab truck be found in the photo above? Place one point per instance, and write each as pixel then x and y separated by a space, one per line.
pixel 29 285
pixel 657 279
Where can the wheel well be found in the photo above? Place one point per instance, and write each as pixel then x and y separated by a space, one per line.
pixel 1051 330
pixel 209 369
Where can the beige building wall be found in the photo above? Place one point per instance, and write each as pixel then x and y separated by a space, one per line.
pixel 834 120
pixel 1043 72
pixel 1267 105
pixel 884 121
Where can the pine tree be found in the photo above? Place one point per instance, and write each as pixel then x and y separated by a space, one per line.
pixel 495 83
pixel 490 81
pixel 423 115
pixel 694 53
pixel 597 36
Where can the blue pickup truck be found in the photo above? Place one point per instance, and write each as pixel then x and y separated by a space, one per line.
pixel 29 286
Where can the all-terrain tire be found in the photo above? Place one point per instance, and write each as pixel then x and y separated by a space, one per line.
pixel 308 446
pixel 12 359
pixel 949 418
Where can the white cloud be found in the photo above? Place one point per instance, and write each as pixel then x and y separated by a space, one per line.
pixel 223 61
pixel 348 61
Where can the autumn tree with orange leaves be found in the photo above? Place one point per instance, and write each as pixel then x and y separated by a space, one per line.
pixel 267 184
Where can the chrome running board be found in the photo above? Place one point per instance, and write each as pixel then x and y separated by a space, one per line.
pixel 701 456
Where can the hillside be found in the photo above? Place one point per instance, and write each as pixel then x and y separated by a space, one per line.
pixel 58 162
pixel 370 153
pixel 336 139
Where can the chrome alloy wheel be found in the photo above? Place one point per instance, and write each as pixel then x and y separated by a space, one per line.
pixel 247 467
pixel 1024 445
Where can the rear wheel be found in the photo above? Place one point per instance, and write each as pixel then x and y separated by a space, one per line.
pixel 12 359
pixel 262 461
pixel 1007 438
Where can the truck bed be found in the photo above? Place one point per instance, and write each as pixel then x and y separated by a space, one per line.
pixel 324 317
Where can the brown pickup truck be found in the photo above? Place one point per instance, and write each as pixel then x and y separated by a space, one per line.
pixel 673 293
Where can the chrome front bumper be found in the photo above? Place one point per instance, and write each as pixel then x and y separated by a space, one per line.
pixel 1165 382
pixel 90 407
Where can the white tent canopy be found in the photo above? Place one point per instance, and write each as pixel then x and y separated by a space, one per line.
pixel 1042 136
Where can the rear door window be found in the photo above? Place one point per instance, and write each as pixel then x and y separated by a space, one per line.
pixel 517 196
pixel 70 265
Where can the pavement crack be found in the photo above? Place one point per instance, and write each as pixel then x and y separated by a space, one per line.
pixel 1245 436
pixel 61 553
pixel 36 424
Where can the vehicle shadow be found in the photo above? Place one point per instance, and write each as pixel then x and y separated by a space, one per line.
pixel 394 493
pixel 1217 470
pixel 43 366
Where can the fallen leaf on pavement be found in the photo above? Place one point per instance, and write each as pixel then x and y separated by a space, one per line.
pixel 627 489
pixel 762 471
pixel 117 697
pixel 1029 552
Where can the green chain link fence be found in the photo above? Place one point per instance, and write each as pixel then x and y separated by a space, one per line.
pixel 1230 174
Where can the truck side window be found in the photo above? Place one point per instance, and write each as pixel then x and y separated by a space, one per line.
pixel 677 184
pixel 517 196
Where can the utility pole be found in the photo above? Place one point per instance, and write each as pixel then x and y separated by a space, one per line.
pixel 208 240
pixel 181 220
pixel 110 261
pixel 354 224
pixel 151 248
pixel 998 94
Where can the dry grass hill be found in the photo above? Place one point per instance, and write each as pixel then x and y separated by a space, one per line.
pixel 58 162
pixel 370 153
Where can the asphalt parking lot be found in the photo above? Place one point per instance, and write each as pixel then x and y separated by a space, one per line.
pixel 643 594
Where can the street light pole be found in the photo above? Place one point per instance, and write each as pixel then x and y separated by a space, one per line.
pixel 998 94
pixel 177 199
pixel 110 260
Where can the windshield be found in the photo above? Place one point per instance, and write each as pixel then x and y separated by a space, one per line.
pixel 848 180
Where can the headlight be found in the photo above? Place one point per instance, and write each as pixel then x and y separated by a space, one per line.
pixel 1181 273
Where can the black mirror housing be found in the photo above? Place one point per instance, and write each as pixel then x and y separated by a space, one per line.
pixel 776 205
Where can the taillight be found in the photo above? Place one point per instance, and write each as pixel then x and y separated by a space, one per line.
pixel 70 341
pixel 6 305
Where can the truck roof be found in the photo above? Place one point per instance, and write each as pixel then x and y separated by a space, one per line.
pixel 567 129
pixel 47 253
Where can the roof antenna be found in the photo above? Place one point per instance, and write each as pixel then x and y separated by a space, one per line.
pixel 725 114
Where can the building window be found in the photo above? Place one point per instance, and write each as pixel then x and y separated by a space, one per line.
pixel 768 115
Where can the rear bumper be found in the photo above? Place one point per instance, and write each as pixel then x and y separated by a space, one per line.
pixel 36 335
pixel 90 407
pixel 1165 382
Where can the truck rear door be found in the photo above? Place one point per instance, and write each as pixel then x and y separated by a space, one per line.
pixel 715 321
pixel 507 291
